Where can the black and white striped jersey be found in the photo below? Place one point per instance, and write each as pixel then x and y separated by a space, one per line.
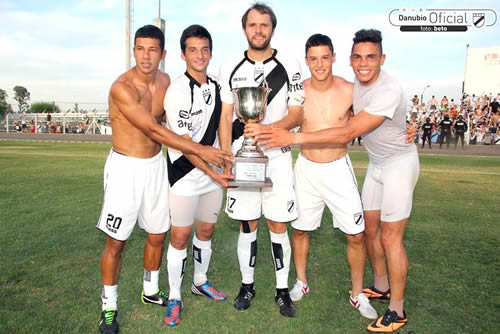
pixel 194 109
pixel 282 74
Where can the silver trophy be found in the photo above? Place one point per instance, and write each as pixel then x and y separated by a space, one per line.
pixel 250 163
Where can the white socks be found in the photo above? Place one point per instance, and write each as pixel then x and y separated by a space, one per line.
pixel 202 252
pixel 280 245
pixel 109 297
pixel 247 254
pixel 150 282
pixel 176 264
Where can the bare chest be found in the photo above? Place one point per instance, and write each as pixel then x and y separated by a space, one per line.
pixel 152 100
pixel 324 110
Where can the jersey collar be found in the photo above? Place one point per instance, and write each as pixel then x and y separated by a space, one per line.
pixel 193 80
pixel 275 52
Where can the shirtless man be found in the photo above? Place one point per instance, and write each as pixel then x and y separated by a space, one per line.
pixel 324 174
pixel 135 174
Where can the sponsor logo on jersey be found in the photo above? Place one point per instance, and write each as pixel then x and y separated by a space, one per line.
pixel 296 76
pixel 197 112
pixel 239 79
pixel 358 218
pixel 258 75
pixel 295 87
pixel 207 96
pixel 184 114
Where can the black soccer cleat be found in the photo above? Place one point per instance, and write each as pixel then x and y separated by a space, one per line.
pixel 242 301
pixel 287 309
pixel 160 298
pixel 108 323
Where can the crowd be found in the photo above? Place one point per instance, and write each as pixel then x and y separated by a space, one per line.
pixel 439 119
pixel 70 123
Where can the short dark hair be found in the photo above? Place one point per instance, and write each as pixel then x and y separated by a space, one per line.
pixel 151 31
pixel 263 9
pixel 195 30
pixel 318 40
pixel 368 35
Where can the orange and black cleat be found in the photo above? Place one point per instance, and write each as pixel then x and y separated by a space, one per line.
pixel 388 323
pixel 373 293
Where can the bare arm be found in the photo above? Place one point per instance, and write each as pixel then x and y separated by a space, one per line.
pixel 226 134
pixel 290 121
pixel 355 127
pixel 140 117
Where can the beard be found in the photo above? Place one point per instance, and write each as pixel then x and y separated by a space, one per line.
pixel 261 47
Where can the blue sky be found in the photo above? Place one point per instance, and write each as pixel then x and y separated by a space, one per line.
pixel 71 51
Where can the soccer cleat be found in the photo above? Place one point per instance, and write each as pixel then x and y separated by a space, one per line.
pixel 300 289
pixel 287 309
pixel 173 314
pixel 362 303
pixel 373 293
pixel 388 323
pixel 160 298
pixel 108 323
pixel 207 289
pixel 242 301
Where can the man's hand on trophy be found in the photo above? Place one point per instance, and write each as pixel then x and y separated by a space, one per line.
pixel 215 156
pixel 224 177
pixel 275 137
pixel 253 128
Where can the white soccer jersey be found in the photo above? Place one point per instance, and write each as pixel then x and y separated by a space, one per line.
pixel 194 109
pixel 385 98
pixel 283 76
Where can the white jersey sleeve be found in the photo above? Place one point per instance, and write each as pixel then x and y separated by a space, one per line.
pixel 295 95
pixel 178 108
pixel 384 103
pixel 223 79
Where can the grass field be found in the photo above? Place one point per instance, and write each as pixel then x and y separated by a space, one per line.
pixel 50 198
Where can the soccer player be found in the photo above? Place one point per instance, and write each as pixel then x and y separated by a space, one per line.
pixel 380 115
pixel 193 109
pixel 284 109
pixel 135 174
pixel 324 174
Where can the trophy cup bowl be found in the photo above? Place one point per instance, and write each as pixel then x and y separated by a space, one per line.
pixel 250 164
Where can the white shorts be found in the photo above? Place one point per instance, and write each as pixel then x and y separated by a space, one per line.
pixel 185 210
pixel 276 203
pixel 389 188
pixel 331 183
pixel 134 189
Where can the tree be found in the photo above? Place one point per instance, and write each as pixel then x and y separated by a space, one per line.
pixel 76 109
pixel 4 106
pixel 40 107
pixel 22 96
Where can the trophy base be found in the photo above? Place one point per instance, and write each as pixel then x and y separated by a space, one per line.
pixel 250 172
pixel 251 184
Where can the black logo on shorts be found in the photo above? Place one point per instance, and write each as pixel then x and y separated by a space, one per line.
pixel 358 218
pixel 207 96
pixel 258 75
pixel 290 205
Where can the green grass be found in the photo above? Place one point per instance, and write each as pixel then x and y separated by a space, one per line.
pixel 50 199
